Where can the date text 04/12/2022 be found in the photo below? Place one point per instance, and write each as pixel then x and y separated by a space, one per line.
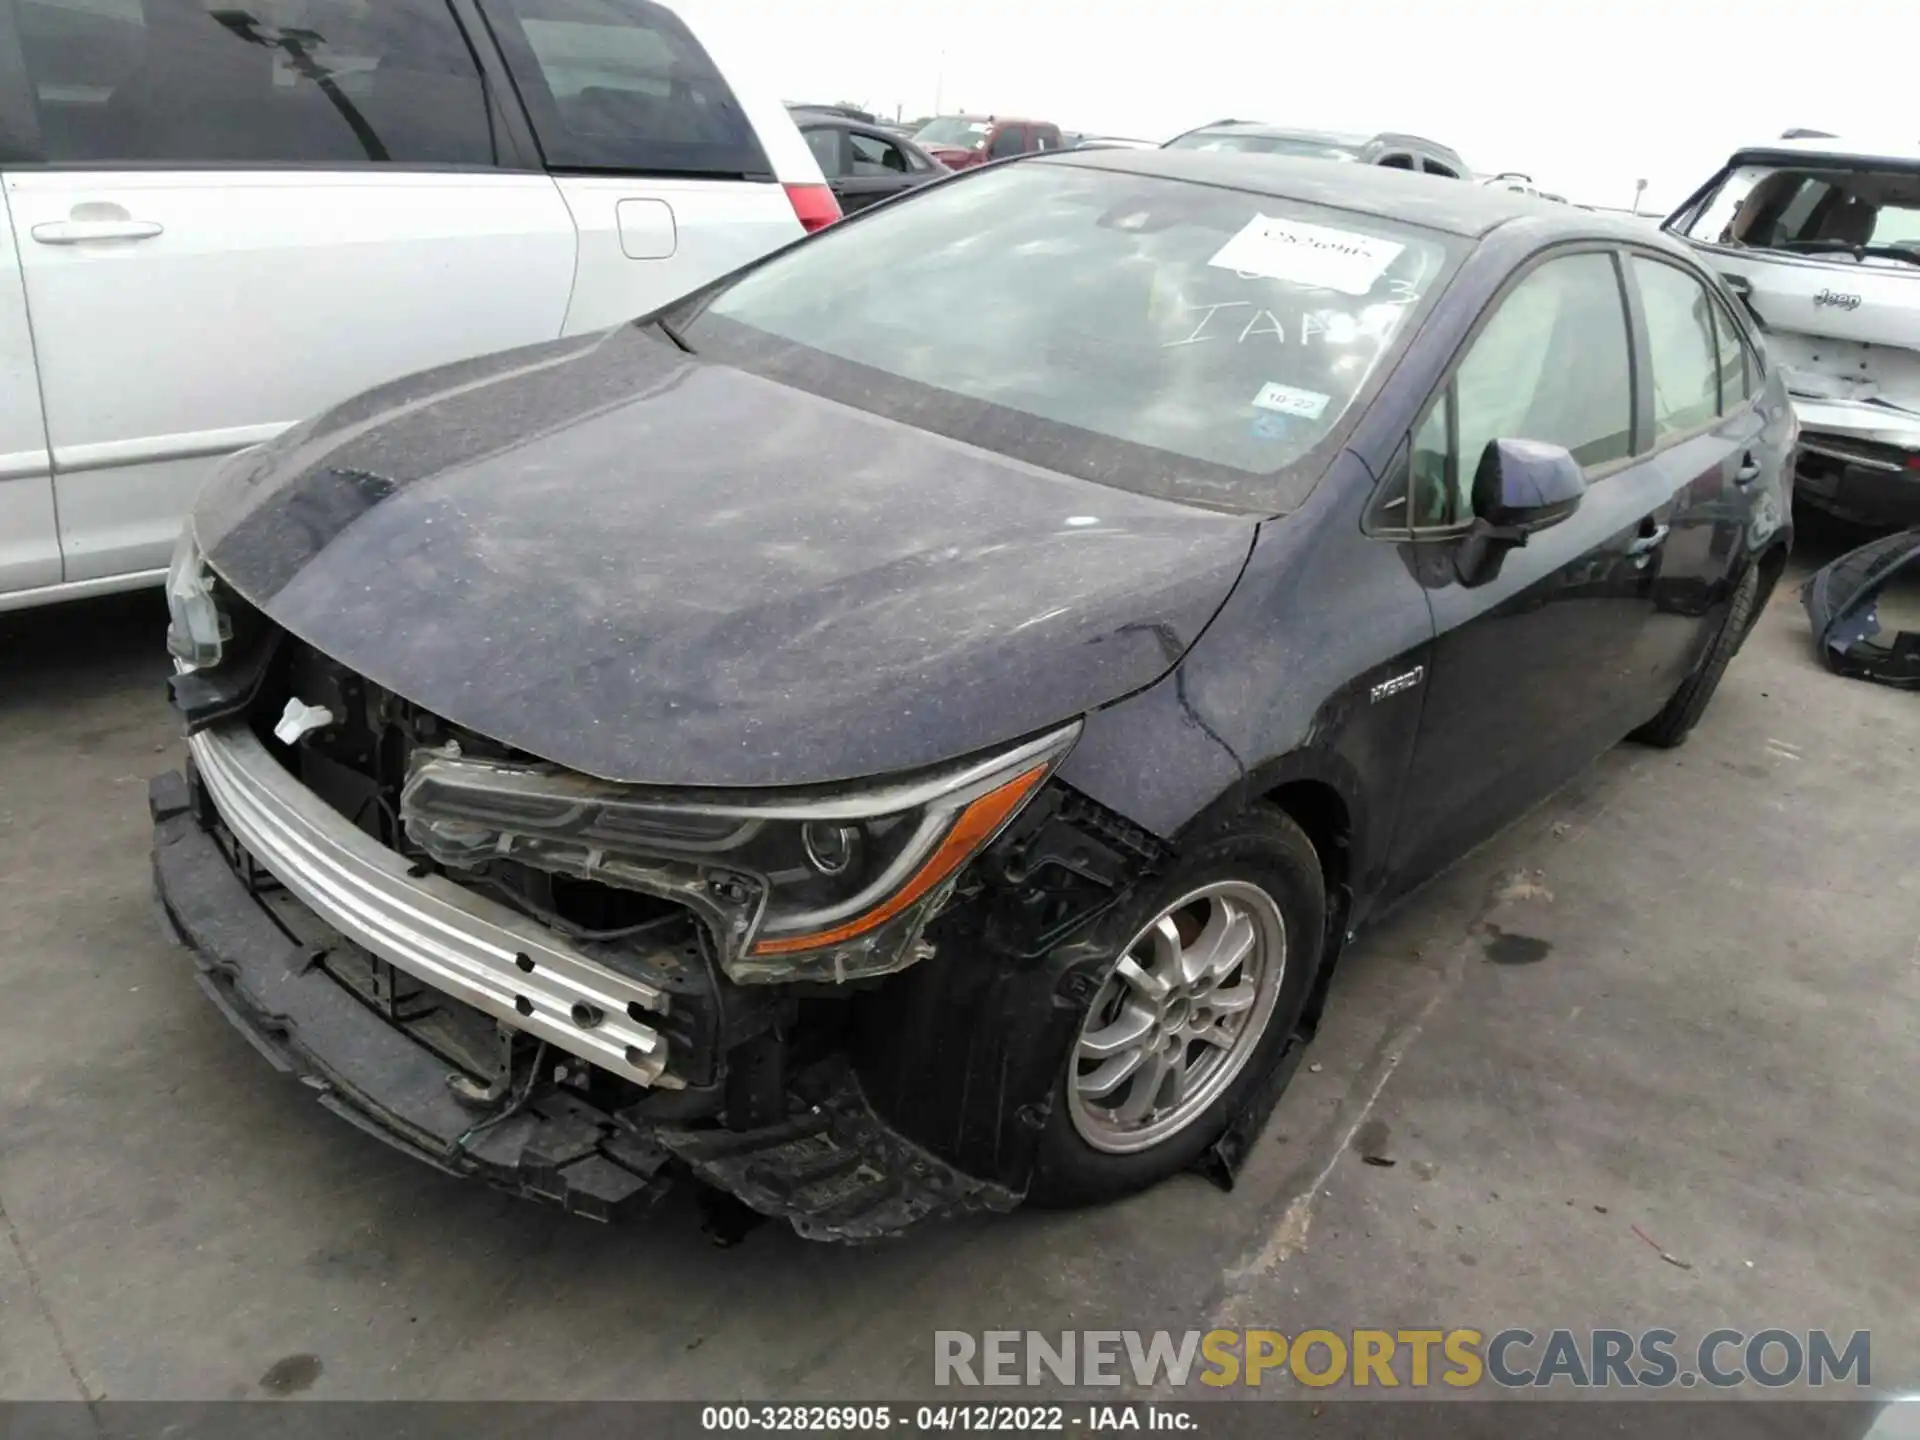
pixel 922 1419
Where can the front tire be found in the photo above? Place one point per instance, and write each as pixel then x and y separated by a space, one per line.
pixel 1210 968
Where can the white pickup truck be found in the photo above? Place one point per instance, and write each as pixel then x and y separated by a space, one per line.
pixel 215 221
pixel 1821 238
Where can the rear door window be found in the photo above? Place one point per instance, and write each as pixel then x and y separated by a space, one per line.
pixel 871 156
pixel 1682 360
pixel 622 86
pixel 278 82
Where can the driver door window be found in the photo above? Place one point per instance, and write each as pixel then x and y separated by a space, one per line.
pixel 1011 140
pixel 1552 364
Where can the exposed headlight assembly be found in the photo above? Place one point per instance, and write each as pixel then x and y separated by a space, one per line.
pixel 197 628
pixel 822 886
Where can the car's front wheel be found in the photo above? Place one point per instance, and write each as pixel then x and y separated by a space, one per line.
pixel 1211 967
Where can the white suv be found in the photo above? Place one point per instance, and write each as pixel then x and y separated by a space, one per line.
pixel 1822 240
pixel 221 216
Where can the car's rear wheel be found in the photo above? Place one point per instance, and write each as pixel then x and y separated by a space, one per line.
pixel 1210 969
pixel 1687 704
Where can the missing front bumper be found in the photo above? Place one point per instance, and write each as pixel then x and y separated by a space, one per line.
pixel 462 944
pixel 830 1167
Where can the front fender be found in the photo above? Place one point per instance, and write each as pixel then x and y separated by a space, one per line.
pixel 1313 671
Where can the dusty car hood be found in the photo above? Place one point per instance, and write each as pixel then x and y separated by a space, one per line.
pixel 657 570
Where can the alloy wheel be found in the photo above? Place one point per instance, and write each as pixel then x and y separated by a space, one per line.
pixel 1178 1018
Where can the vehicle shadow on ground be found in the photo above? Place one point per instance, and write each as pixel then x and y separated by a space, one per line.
pixel 83 650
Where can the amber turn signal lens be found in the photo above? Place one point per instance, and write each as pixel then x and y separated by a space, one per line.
pixel 976 825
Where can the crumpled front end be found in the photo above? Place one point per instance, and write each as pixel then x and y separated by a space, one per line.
pixel 578 991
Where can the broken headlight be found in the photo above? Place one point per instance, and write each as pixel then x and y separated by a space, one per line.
pixel 197 628
pixel 823 886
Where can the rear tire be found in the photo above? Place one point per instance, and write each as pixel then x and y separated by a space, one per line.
pixel 1683 711
pixel 1253 889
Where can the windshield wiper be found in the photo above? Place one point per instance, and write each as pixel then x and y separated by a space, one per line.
pixel 1847 247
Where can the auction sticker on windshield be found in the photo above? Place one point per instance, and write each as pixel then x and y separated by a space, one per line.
pixel 1316 255
pixel 1307 404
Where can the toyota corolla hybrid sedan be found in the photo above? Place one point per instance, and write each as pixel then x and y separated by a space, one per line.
pixel 913 726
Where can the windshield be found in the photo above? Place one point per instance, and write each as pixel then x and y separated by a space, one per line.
pixel 1261 145
pixel 1181 339
pixel 953 130
pixel 1854 215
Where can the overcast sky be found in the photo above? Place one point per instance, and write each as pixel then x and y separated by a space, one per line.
pixel 1586 98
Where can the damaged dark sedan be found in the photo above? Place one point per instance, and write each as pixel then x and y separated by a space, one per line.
pixel 912 727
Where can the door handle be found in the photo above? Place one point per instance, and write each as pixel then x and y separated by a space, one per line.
pixel 75 232
pixel 1749 470
pixel 1648 541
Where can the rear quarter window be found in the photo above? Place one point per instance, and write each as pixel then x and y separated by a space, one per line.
pixel 624 86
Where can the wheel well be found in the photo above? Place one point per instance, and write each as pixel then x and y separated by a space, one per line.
pixel 1317 808
pixel 1772 562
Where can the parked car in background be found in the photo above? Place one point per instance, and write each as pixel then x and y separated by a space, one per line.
pixel 962 141
pixel 913 726
pixel 221 224
pixel 1396 152
pixel 1520 183
pixel 1075 140
pixel 1821 239
pixel 864 163
pixel 849 112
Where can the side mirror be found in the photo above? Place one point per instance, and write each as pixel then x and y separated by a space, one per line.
pixel 1521 486
pixel 1526 485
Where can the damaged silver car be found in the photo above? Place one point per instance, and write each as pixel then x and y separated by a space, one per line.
pixel 1821 239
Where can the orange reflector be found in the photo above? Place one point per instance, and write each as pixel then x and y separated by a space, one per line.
pixel 976 824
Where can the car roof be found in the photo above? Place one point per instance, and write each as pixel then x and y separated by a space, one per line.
pixel 1348 139
pixel 833 119
pixel 1403 195
pixel 1345 139
pixel 1810 147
